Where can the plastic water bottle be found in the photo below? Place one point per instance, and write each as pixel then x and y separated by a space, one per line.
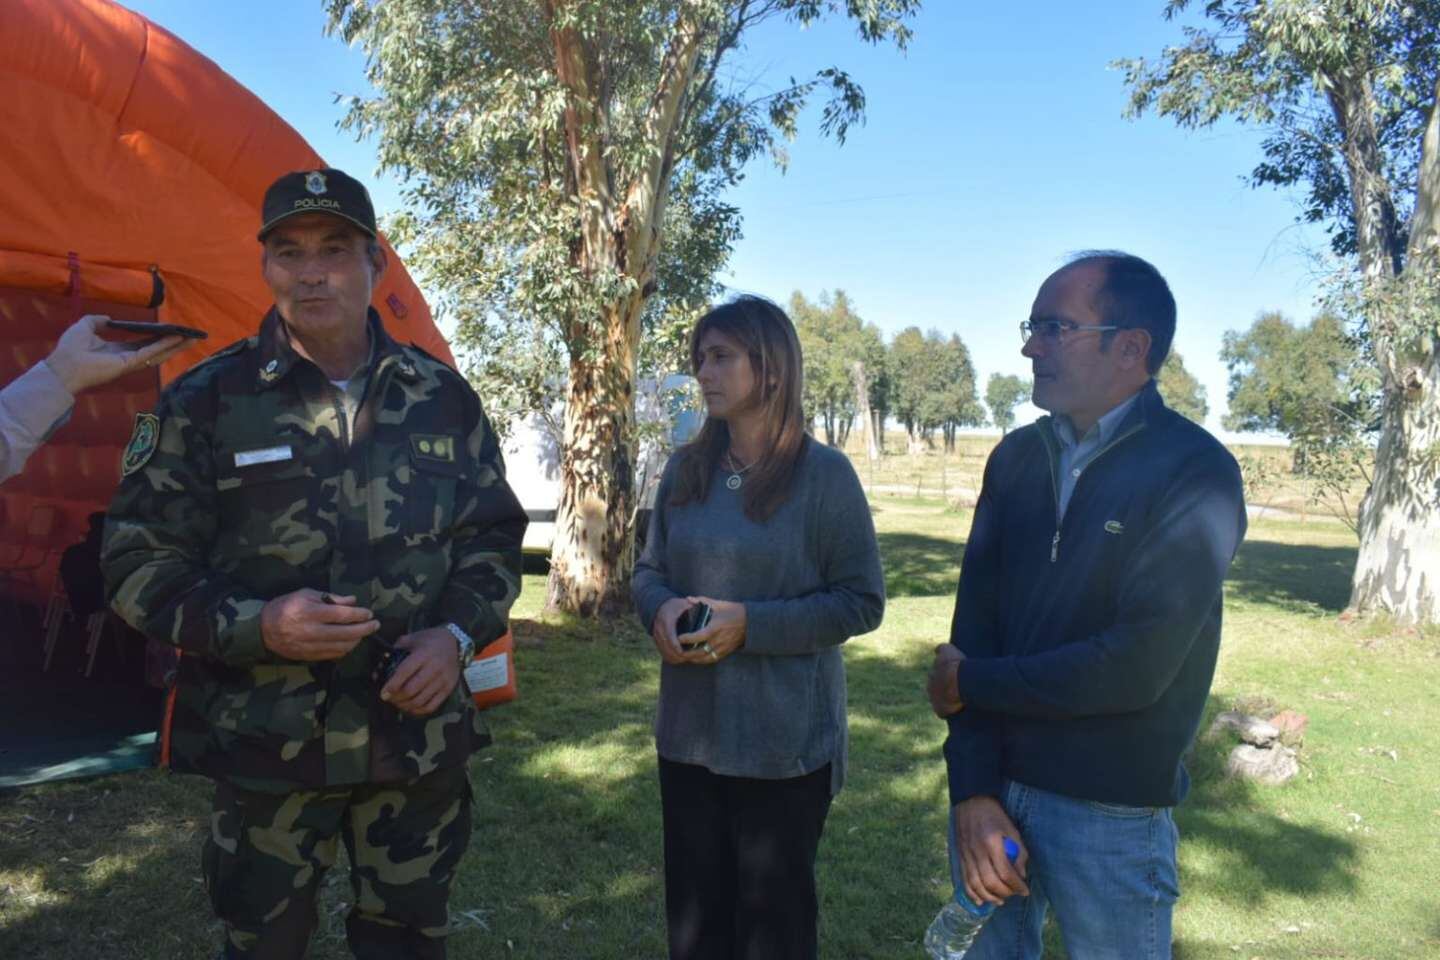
pixel 958 923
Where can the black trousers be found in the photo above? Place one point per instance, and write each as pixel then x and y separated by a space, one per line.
pixel 740 863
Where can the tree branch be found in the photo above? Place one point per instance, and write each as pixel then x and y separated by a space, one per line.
pixel 645 196
pixel 1425 223
pixel 584 127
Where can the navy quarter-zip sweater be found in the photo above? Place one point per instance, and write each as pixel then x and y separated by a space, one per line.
pixel 1090 642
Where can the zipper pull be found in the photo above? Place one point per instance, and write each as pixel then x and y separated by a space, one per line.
pixel 1055 547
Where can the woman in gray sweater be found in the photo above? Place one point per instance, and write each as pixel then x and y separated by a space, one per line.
pixel 771 531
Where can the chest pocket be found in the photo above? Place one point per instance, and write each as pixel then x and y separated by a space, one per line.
pixel 267 495
pixel 435 470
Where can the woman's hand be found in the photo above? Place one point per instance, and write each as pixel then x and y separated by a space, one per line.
pixel 662 631
pixel 723 636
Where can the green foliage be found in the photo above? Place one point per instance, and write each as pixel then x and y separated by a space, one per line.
pixel 909 359
pixel 1003 393
pixel 1181 391
pixel 932 384
pixel 564 164
pixel 1395 318
pixel 1298 70
pixel 832 338
pixel 478 115
pixel 1308 383
pixel 1345 90
pixel 473 113
pixel 1292 380
pixel 1347 93
pixel 952 401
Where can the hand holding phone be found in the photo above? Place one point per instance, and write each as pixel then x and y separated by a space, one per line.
pixel 82 358
pixel 157 329
pixel 695 618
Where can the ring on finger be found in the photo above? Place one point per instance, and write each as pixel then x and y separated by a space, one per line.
pixel 707 648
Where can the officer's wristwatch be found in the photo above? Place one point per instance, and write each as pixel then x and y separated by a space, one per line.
pixel 466 646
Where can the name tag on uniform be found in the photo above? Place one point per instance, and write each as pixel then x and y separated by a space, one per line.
pixel 248 458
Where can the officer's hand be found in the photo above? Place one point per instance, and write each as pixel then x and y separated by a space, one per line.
pixel 662 631
pixel 427 675
pixel 81 359
pixel 310 625
pixel 981 826
pixel 944 683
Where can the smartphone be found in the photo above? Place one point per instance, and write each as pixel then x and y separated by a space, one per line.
pixel 693 620
pixel 157 329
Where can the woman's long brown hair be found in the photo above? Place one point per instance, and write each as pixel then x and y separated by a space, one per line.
pixel 765 333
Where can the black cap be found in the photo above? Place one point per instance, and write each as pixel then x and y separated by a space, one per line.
pixel 317 191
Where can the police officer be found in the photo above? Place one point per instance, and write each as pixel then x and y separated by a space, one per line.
pixel 317 517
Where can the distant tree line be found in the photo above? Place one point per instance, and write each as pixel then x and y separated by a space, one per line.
pixel 923 381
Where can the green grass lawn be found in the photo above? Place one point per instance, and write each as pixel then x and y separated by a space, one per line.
pixel 565 862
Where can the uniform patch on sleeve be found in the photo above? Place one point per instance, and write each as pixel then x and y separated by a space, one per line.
pixel 142 443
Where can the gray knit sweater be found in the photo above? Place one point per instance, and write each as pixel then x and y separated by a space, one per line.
pixel 810 579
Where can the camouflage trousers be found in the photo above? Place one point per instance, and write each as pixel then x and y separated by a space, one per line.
pixel 267 853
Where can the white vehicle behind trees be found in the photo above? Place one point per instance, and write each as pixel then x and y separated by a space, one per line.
pixel 667 414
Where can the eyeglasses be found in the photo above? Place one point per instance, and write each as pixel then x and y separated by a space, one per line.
pixel 1055 331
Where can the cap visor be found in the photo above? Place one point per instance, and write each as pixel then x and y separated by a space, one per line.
pixel 329 213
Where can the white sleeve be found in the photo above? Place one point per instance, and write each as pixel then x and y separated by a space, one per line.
pixel 32 406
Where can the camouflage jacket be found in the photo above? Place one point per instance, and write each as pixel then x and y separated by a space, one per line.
pixel 245 485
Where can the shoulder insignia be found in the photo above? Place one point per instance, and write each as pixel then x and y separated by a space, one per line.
pixel 429 446
pixel 229 351
pixel 143 442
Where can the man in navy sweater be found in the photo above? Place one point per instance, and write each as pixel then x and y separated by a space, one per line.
pixel 1086 628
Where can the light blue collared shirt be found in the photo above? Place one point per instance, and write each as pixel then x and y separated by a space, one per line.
pixel 1075 455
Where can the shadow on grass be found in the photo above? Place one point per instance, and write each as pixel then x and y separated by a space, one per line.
pixel 566 857
pixel 920 566
pixel 1293 577
pixel 571 798
pixel 105 868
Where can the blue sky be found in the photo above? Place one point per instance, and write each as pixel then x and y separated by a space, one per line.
pixel 994 147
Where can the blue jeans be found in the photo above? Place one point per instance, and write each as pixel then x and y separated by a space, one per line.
pixel 1108 872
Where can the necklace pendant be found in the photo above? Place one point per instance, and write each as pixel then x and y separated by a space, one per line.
pixel 734 481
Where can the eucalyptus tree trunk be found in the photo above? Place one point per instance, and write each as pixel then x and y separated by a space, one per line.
pixel 589 575
pixel 867 416
pixel 620 235
pixel 1398 568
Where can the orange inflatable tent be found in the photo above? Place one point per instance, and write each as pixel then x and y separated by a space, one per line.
pixel 131 174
